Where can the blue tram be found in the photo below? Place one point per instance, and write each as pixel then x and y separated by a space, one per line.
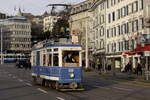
pixel 58 66
pixel 12 58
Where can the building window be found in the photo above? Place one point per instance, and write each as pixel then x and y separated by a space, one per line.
pixel 127 10
pixel 127 27
pixel 111 2
pixel 121 12
pixel 141 23
pixel 118 13
pixel 132 26
pixel 108 48
pixel 122 46
pixel 118 29
pixel 124 11
pixel 108 3
pixel 122 29
pixel 130 8
pixel 109 18
pixel 113 16
pixel 140 4
pixel 119 46
pixel 114 31
pixel 107 33
pixel 136 25
pixel 136 3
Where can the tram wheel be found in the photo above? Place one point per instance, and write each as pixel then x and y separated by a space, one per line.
pixel 47 83
pixel 57 85
pixel 53 84
pixel 43 82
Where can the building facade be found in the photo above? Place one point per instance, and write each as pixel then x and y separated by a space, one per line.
pixel 5 36
pixel 80 21
pixel 98 30
pixel 48 22
pixel 2 16
pixel 19 34
pixel 124 25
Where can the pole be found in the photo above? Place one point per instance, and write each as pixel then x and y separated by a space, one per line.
pixel 147 72
pixel 1 46
pixel 86 50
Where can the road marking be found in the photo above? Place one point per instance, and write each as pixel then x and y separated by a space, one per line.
pixel 59 98
pixel 20 80
pixel 28 84
pixel 102 87
pixel 42 90
pixel 9 75
pixel 123 89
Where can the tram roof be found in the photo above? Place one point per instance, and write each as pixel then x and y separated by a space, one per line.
pixel 64 45
pixel 60 45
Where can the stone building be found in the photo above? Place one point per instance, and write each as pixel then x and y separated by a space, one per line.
pixel 98 30
pixel 2 16
pixel 48 22
pixel 125 27
pixel 19 34
pixel 80 20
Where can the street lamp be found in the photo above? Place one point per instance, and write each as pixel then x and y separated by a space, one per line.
pixel 1 45
pixel 86 47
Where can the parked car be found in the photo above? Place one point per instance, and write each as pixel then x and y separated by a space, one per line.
pixel 21 64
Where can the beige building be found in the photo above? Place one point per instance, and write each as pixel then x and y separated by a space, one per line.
pixel 20 34
pixel 80 20
pixel 48 22
pixel 98 30
pixel 124 26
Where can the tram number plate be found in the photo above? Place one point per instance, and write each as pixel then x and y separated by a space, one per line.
pixel 71 70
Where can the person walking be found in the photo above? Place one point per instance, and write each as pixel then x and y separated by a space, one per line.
pixel 139 69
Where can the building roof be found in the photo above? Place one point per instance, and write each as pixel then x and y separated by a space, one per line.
pixel 18 18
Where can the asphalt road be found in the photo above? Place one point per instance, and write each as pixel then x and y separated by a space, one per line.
pixel 16 84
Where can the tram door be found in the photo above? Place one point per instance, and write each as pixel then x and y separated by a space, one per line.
pixel 38 58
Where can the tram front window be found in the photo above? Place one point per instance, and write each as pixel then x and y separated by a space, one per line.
pixel 71 58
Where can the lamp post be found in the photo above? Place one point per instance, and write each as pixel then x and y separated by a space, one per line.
pixel 86 47
pixel 1 46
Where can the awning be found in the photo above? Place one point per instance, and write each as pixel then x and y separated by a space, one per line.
pixel 140 48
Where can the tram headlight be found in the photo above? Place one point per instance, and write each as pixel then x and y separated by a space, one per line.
pixel 72 75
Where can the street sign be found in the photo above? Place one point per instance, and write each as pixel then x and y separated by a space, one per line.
pixel 75 39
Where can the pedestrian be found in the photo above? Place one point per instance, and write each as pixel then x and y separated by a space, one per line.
pixel 69 58
pixel 109 67
pixel 28 64
pixel 139 69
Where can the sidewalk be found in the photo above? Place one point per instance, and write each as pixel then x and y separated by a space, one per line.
pixel 120 77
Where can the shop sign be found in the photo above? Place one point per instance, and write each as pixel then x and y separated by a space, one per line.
pixel 146 53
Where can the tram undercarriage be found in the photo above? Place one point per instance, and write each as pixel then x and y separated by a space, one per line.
pixel 58 86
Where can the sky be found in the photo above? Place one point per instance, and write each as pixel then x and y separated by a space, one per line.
pixel 37 7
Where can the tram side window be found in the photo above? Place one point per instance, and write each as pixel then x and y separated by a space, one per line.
pixel 34 61
pixel 55 60
pixel 49 60
pixel 71 58
pixel 44 60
